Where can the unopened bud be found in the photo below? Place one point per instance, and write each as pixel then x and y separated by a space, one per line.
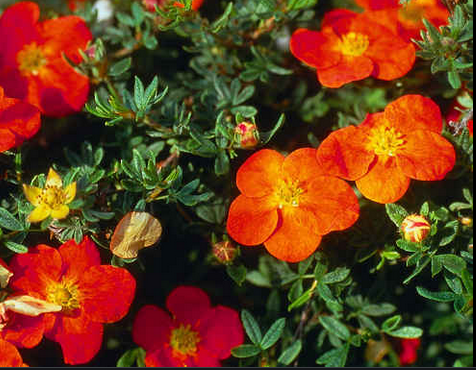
pixel 466 221
pixel 415 228
pixel 248 134
pixel 225 251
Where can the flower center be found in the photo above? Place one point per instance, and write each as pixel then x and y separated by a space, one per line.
pixel 354 44
pixel 64 294
pixel 288 193
pixel 184 340
pixel 30 59
pixel 52 196
pixel 385 141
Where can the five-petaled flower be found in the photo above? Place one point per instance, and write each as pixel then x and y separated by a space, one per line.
pixel 52 200
pixel 197 334
pixel 353 46
pixel 410 16
pixel 18 121
pixel 389 148
pixel 89 293
pixel 288 203
pixel 33 66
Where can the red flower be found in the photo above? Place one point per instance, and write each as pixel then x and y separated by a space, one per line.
pixel 410 16
pixel 352 46
pixel 408 354
pixel 32 64
pixel 18 121
pixel 9 355
pixel 196 335
pixel 90 294
pixel 389 148
pixel 288 204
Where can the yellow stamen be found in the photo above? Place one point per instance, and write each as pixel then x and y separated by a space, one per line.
pixel 53 196
pixel 385 141
pixel 184 340
pixel 65 294
pixel 354 44
pixel 288 193
pixel 31 59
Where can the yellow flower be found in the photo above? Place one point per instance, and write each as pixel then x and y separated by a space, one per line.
pixel 52 200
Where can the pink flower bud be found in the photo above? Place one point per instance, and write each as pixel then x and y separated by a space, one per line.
pixel 224 251
pixel 248 134
pixel 415 228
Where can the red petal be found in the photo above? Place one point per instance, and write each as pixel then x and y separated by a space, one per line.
pixel 151 328
pixel 302 165
pixel 188 304
pixel 316 49
pixel 384 183
pixel 77 259
pixel 205 358
pixel 24 331
pixel 348 69
pixel 339 19
pixel 218 338
pixel 414 112
pixel 426 156
pixel 7 140
pixel 106 293
pixel 343 153
pixel 163 358
pixel 257 176
pixel 252 220
pixel 9 355
pixel 294 239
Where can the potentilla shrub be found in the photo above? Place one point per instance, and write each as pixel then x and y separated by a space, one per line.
pixel 236 183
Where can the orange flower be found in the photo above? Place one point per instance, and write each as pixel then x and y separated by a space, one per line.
pixel 90 294
pixel 389 148
pixel 9 355
pixel 410 16
pixel 288 204
pixel 197 334
pixel 352 46
pixel 32 65
pixel 18 121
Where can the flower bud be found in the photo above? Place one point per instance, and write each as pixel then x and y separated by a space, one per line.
pixel 225 251
pixel 248 134
pixel 415 228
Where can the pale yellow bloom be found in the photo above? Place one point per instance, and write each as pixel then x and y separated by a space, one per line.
pixel 52 200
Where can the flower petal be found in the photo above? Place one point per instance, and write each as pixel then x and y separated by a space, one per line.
pixel 163 357
pixel 7 139
pixel 414 112
pixel 188 304
pixel 343 153
pixel 9 355
pixel 53 179
pixel 205 358
pixel 217 338
pixel 294 239
pixel 384 183
pixel 106 292
pixel 426 156
pixel 60 212
pixel 302 165
pixel 257 176
pixel 77 259
pixel 39 213
pixel 252 220
pixel 333 203
pixel 151 328
pixel 24 331
pixel 349 69
pixel 69 193
pixel 32 194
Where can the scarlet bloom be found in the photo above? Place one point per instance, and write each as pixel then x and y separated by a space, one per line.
pixel 9 355
pixel 89 293
pixel 18 121
pixel 408 354
pixel 32 62
pixel 389 148
pixel 353 46
pixel 415 228
pixel 410 16
pixel 197 334
pixel 288 204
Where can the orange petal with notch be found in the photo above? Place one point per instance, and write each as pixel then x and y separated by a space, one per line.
pixel 78 258
pixel 349 69
pixel 302 165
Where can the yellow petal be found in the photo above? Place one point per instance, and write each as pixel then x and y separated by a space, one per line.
pixel 135 231
pixel 30 306
pixel 32 194
pixel 53 179
pixel 70 193
pixel 60 212
pixel 39 213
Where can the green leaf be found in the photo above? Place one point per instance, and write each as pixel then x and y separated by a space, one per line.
pixel 452 263
pixel 7 221
pixel 222 163
pixel 396 213
pixel 460 347
pixel 290 353
pixel 138 93
pixel 406 332
pixel 237 273
pixel 301 300
pixel 223 20
pixel 379 309
pixel 119 68
pixel 273 334
pixel 408 245
pixel 436 296
pixel 245 350
pixel 335 358
pixel 303 266
pixel 265 137
pixel 251 327
pixel 336 276
pixel 391 323
pixel 15 247
pixel 129 357
pixel 335 327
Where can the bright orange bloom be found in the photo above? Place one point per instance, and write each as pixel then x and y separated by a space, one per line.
pixel 32 65
pixel 389 148
pixel 90 294
pixel 352 46
pixel 410 16
pixel 18 121
pixel 197 334
pixel 9 355
pixel 288 204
